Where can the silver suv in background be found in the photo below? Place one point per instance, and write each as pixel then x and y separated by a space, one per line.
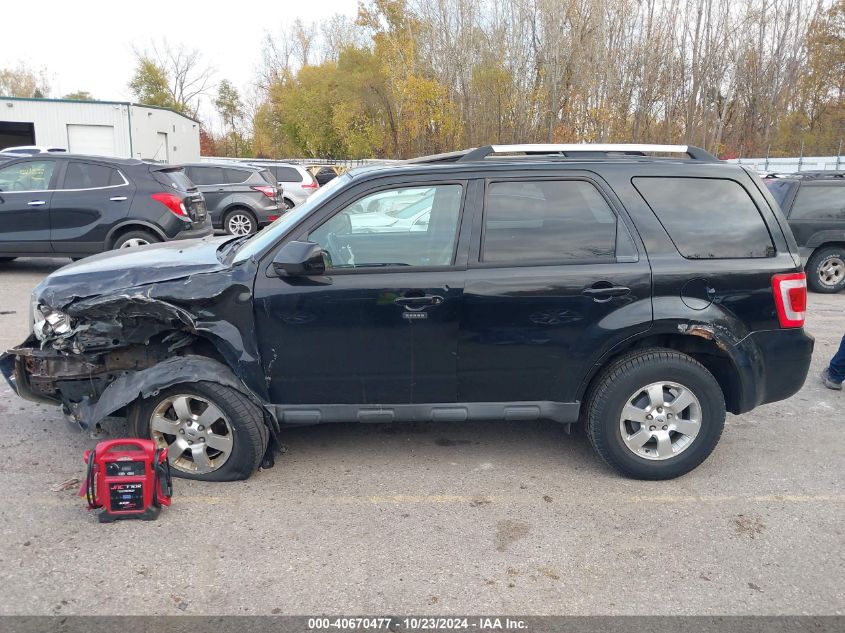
pixel 240 198
pixel 297 182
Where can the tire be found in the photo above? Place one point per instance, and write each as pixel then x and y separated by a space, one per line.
pixel 288 204
pixel 826 269
pixel 240 222
pixel 667 453
pixel 132 239
pixel 235 417
pixel 6 260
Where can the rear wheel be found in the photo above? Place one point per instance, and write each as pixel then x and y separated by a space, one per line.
pixel 240 222
pixel 655 414
pixel 132 239
pixel 212 432
pixel 826 269
pixel 288 204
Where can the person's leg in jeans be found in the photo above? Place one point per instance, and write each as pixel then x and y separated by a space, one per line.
pixel 835 373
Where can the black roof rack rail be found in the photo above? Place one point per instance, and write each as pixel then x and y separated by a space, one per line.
pixel 821 173
pixel 586 150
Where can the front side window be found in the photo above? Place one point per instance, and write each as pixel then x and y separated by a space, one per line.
pixel 409 226
pixel 819 202
pixel 90 176
pixel 707 218
pixel 547 221
pixel 32 175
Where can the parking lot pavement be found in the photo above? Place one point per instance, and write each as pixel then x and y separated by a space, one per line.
pixel 439 519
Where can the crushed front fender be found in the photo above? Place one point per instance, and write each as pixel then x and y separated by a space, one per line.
pixel 128 387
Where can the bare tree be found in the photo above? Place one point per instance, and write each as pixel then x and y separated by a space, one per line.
pixel 187 77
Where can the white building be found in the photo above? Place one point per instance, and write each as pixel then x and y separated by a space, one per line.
pixel 103 128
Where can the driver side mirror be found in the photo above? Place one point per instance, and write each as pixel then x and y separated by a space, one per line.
pixel 299 259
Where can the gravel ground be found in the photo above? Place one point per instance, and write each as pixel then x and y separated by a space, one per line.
pixel 439 519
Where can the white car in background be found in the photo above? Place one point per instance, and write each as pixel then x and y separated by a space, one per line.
pixel 297 182
pixel 30 150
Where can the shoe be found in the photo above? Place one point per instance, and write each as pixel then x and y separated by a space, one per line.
pixel 829 382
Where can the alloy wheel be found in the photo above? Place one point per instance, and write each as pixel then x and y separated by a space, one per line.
pixel 660 421
pixel 239 224
pixel 196 432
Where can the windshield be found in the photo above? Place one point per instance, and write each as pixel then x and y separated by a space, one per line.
pixel 270 234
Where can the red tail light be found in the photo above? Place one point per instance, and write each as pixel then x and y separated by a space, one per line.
pixel 267 190
pixel 172 202
pixel 310 185
pixel 790 290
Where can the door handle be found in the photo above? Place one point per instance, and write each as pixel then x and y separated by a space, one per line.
pixel 118 198
pixel 416 304
pixel 37 203
pixel 602 292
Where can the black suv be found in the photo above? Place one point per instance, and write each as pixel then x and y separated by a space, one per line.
pixel 643 296
pixel 814 205
pixel 66 205
pixel 240 198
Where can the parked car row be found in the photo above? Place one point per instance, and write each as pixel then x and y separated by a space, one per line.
pixel 73 206
pixel 53 203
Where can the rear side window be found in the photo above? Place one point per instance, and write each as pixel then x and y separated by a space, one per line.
pixel 174 178
pixel 287 174
pixel 207 175
pixel 90 176
pixel 819 202
pixel 707 218
pixel 236 176
pixel 547 221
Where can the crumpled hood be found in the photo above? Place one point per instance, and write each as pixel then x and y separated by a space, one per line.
pixel 113 271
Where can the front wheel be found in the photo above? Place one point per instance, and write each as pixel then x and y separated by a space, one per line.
pixel 655 414
pixel 826 270
pixel 212 432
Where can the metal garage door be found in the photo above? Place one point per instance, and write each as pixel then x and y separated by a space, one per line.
pixel 91 139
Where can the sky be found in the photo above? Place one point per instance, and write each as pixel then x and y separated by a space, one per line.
pixel 88 44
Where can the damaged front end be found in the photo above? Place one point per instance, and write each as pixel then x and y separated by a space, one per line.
pixel 97 345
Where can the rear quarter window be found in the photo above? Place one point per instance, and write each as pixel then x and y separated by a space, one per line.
pixel 707 218
pixel 268 177
pixel 237 176
pixel 819 202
